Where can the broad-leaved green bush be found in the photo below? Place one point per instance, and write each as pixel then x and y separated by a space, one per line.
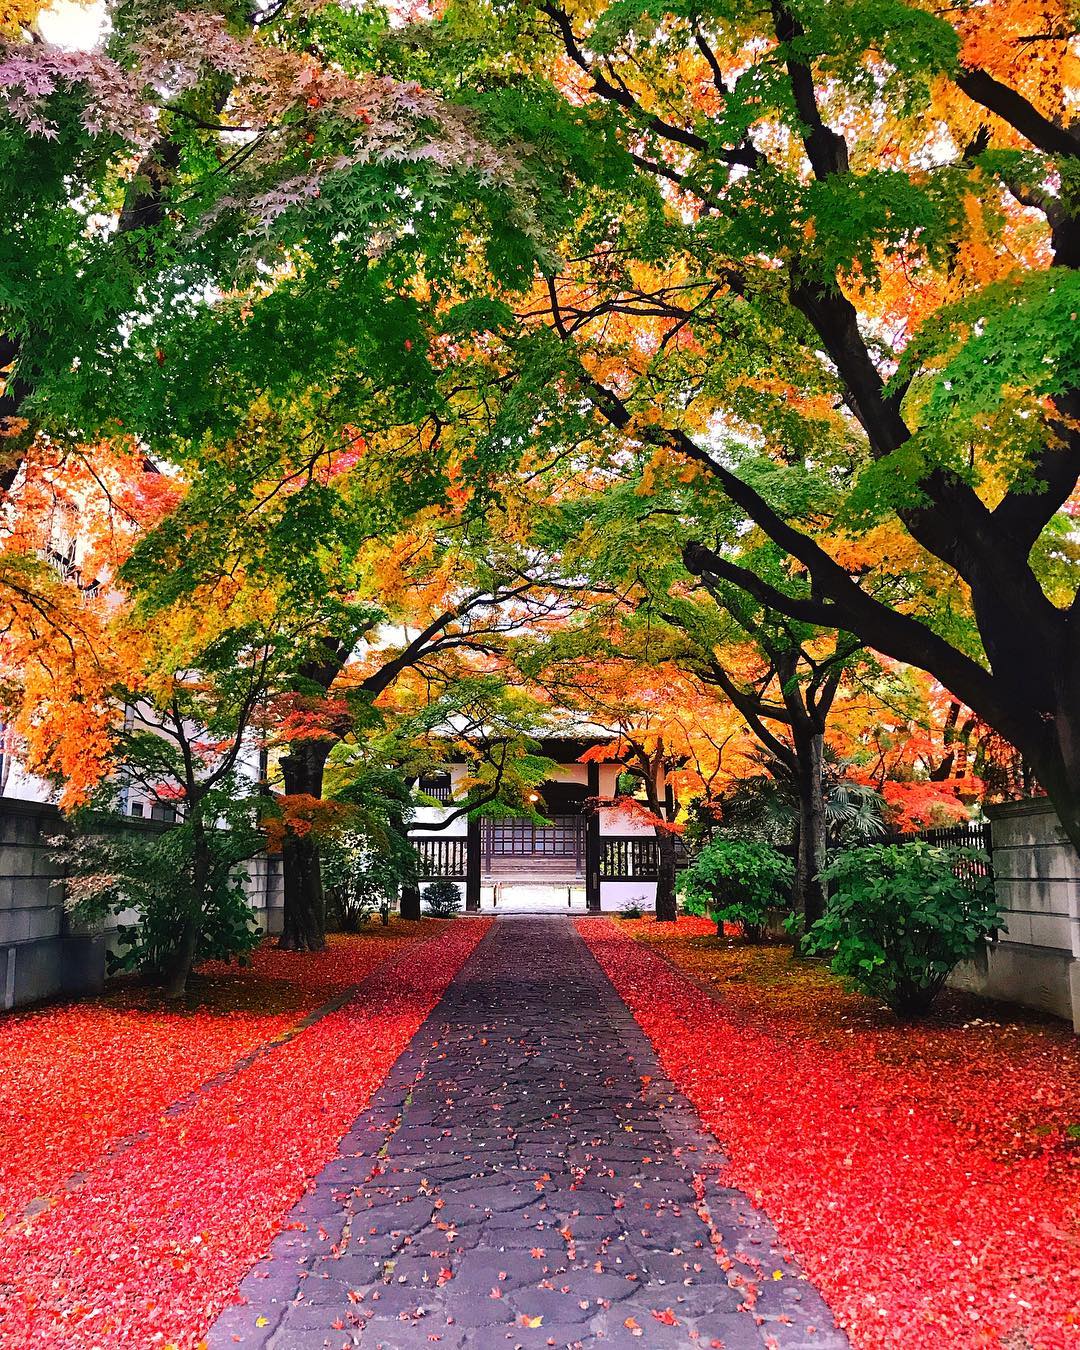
pixel 900 916
pixel 738 881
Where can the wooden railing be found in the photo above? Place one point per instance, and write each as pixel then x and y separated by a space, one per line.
pixel 629 857
pixel 441 858
pixel 634 857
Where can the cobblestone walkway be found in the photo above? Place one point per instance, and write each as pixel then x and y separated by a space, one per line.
pixel 527 1177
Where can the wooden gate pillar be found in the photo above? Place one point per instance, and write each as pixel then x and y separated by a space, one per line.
pixel 592 843
pixel 472 866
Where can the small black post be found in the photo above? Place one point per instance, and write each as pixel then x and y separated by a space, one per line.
pixel 592 843
pixel 472 866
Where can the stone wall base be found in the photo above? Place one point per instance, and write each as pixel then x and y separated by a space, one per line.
pixel 51 967
pixel 1044 978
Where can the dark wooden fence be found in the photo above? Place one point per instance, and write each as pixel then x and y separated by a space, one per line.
pixel 968 834
pixel 634 857
pixel 441 858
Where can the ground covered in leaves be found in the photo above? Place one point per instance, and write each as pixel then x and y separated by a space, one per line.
pixel 926 1175
pixel 148 1153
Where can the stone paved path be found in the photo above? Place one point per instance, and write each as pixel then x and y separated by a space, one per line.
pixel 527 1177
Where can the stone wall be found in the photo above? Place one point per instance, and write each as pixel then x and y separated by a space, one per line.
pixel 44 951
pixel 1036 962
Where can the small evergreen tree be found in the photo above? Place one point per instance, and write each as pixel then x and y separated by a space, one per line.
pixel 169 878
pixel 736 881
pixel 443 899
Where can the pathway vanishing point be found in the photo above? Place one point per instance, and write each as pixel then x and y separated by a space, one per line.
pixel 526 1176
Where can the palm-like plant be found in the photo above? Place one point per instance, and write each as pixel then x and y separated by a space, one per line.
pixel 765 807
pixel 854 813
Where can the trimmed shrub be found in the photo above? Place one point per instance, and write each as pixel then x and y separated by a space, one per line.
pixel 359 880
pixel 899 918
pixel 443 899
pixel 738 881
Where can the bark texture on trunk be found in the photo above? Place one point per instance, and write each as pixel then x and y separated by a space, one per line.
pixel 810 858
pixel 304 920
pixel 410 902
pixel 1057 765
pixel 183 957
pixel 666 908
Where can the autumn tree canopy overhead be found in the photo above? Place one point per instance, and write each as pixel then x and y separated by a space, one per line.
pixel 788 294
pixel 825 257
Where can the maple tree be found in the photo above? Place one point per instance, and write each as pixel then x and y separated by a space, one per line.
pixel 673 739
pixel 166 218
pixel 196 688
pixel 781 678
pixel 188 153
pixel 432 718
pixel 785 695
pixel 922 751
pixel 71 517
pixel 340 695
pixel 810 708
pixel 825 257
pixel 727 265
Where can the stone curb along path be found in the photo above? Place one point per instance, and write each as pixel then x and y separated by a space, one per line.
pixel 526 1176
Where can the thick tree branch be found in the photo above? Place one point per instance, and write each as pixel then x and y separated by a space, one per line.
pixel 1022 116
pixel 1023 515
pixel 749 710
pixel 826 149
pixel 744 154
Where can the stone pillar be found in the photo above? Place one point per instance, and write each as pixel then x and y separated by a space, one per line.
pixel 1036 962
pixel 472 866
pixel 1074 994
pixel 592 843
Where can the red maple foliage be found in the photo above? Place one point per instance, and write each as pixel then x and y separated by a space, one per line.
pixel 138 1055
pixel 154 1239
pixel 905 1167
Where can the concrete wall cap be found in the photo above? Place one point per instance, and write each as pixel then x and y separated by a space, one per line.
pixel 1028 806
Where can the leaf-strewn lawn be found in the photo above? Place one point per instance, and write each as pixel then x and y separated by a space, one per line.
pixel 926 1176
pixel 148 1155
pixel 79 1076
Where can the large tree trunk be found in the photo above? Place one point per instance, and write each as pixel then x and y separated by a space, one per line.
pixel 810 857
pixel 410 901
pixel 1057 767
pixel 183 957
pixel 304 920
pixel 666 908
pixel 1029 694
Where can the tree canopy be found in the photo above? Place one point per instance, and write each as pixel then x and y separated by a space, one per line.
pixel 682 364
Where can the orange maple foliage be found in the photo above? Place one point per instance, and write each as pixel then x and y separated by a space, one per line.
pixel 69 522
